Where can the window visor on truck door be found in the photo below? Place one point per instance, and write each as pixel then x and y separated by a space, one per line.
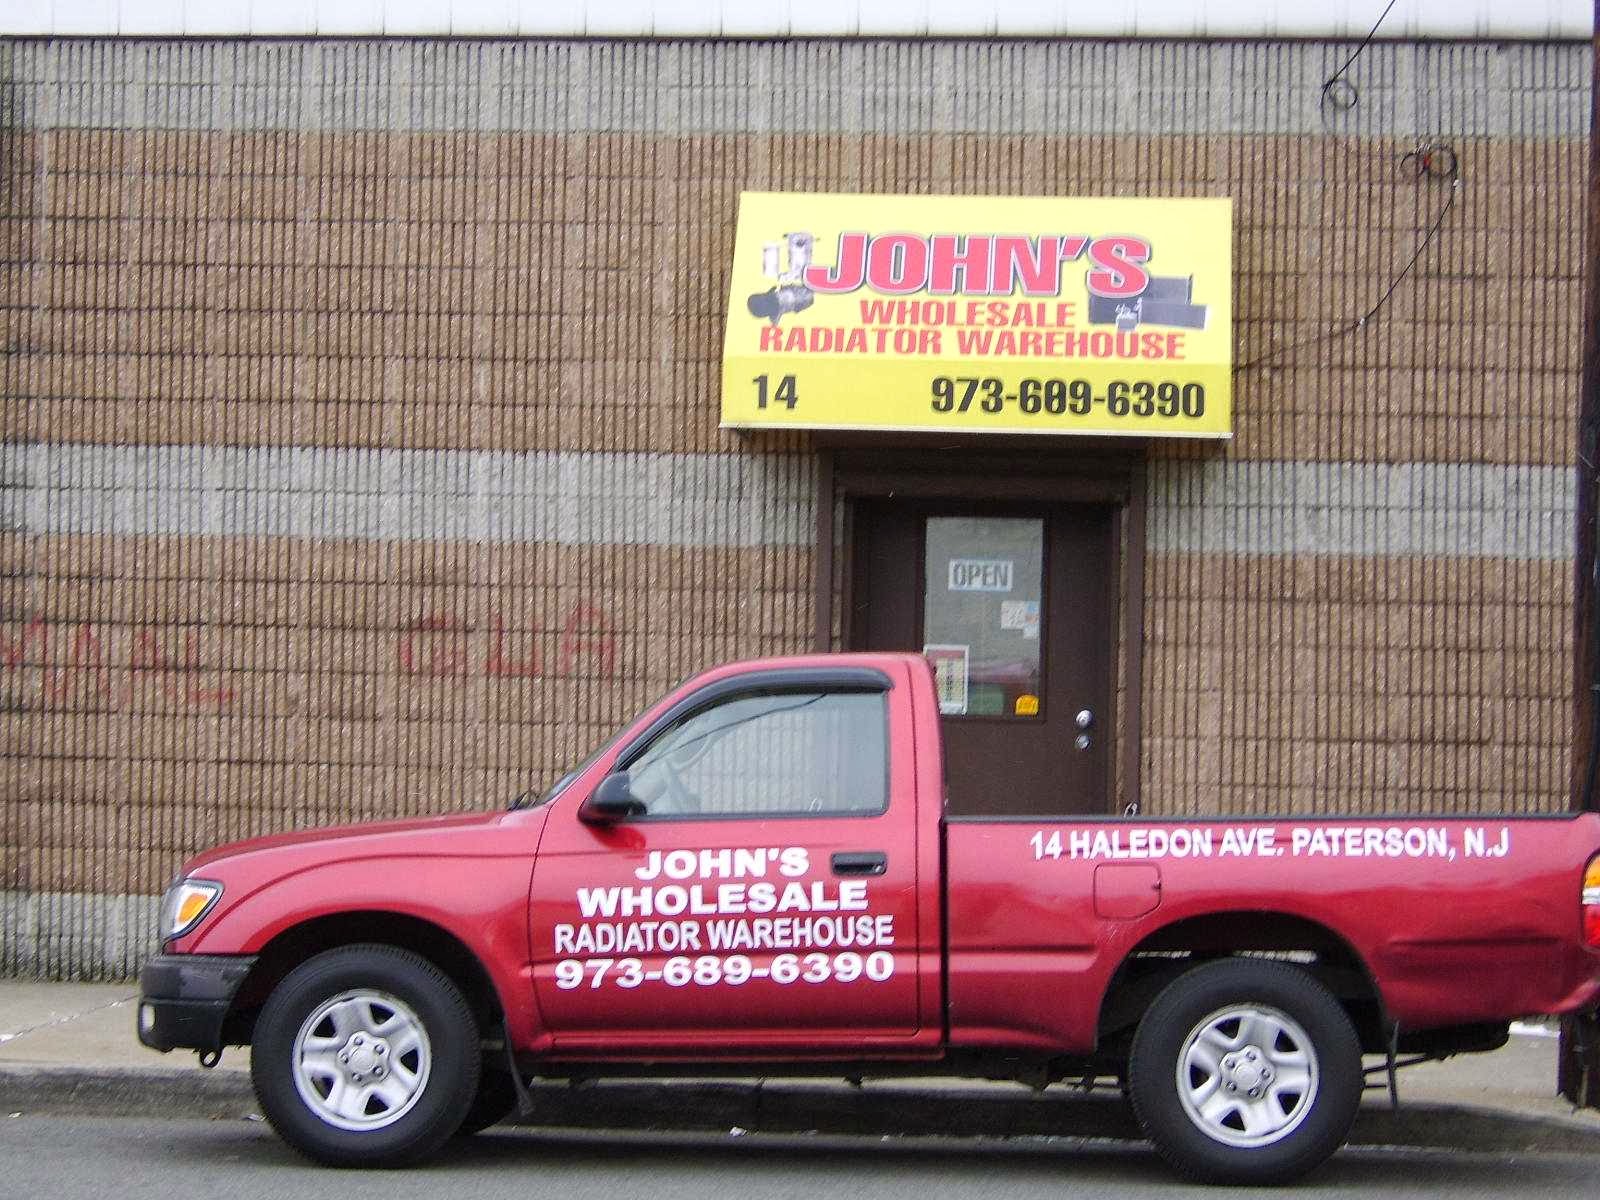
pixel 780 743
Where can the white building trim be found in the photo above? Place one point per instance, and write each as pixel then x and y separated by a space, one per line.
pixel 1482 20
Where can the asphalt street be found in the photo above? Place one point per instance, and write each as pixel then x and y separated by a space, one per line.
pixel 68 1158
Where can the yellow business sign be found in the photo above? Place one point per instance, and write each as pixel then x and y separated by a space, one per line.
pixel 992 314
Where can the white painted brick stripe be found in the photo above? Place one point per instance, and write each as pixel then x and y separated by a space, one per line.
pixel 1193 88
pixel 576 498
pixel 409 495
pixel 72 935
pixel 1425 509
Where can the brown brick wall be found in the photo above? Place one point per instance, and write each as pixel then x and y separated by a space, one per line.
pixel 1332 684
pixel 542 291
pixel 161 694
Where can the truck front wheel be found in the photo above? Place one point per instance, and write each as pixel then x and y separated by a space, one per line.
pixel 1245 1071
pixel 365 1056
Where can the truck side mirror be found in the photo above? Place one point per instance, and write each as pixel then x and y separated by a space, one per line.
pixel 613 800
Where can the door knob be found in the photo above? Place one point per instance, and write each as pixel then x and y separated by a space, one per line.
pixel 1084 719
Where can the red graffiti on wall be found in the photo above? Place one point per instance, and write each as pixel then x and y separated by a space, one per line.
pixel 103 669
pixel 445 644
pixel 86 664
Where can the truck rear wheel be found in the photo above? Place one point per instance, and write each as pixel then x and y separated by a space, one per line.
pixel 365 1056
pixel 1246 1072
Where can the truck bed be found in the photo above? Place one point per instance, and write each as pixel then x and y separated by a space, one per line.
pixel 1042 913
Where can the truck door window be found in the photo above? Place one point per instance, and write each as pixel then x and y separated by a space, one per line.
pixel 790 753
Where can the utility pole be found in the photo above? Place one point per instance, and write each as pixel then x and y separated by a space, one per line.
pixel 1578 1072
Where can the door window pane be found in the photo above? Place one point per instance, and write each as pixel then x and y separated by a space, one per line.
pixel 982 605
pixel 770 754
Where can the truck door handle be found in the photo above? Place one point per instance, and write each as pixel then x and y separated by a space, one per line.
pixel 860 862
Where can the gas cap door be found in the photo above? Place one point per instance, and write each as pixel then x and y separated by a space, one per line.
pixel 1123 891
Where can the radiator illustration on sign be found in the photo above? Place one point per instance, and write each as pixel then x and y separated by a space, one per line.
pixel 1164 300
pixel 789 293
pixel 981 314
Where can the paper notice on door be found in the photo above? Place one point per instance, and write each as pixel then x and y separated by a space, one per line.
pixel 949 677
pixel 1021 615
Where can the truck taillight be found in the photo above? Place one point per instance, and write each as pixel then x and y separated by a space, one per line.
pixel 1591 903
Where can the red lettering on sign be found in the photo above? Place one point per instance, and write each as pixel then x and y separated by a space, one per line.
pixel 849 268
pixel 1118 274
pixel 966 258
pixel 897 264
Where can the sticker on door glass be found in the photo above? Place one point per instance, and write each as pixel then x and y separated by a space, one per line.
pixel 949 677
pixel 981 574
pixel 1021 615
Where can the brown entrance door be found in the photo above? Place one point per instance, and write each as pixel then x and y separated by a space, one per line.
pixel 1013 605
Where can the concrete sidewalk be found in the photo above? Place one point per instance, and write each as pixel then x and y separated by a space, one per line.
pixel 71 1048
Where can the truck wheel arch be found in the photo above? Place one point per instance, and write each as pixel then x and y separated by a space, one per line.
pixel 1170 950
pixel 291 946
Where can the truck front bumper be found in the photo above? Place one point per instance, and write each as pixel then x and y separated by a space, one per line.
pixel 184 999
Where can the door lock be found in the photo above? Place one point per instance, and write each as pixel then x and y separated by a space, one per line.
pixel 1084 719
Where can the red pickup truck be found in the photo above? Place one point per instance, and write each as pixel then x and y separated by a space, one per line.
pixel 757 876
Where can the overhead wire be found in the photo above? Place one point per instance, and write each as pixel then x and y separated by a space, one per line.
pixel 1358 323
pixel 1429 160
pixel 1331 90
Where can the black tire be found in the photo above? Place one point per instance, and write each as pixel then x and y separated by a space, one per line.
pixel 410 1053
pixel 1238 1025
pixel 494 1102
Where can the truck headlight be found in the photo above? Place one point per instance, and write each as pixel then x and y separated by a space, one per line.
pixel 185 904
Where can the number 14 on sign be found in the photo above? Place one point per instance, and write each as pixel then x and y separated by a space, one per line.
pixel 785 394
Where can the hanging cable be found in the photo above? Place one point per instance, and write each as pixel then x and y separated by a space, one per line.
pixel 1339 92
pixel 1436 160
pixel 1431 160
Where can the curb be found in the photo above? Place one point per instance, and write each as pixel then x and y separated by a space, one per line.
pixel 158 1092
pixel 1471 1129
pixel 742 1106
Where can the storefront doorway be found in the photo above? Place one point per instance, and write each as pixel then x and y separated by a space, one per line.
pixel 1014 601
